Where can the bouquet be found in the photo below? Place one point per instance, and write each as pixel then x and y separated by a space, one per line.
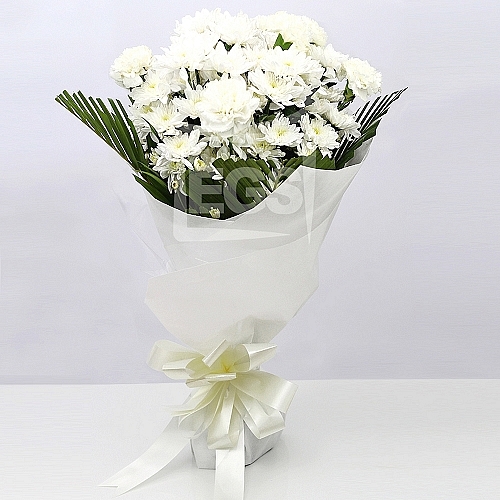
pixel 242 135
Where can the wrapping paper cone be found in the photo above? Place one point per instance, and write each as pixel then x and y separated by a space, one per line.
pixel 235 284
pixel 242 279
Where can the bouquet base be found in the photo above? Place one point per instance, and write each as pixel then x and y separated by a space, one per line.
pixel 254 448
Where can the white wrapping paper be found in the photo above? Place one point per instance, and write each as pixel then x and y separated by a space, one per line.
pixel 244 278
pixel 234 285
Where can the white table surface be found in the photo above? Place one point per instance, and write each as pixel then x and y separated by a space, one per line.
pixel 344 439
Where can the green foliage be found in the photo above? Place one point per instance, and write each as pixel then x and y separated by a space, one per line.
pixel 245 179
pixel 280 42
pixel 116 129
pixel 113 126
pixel 245 183
pixel 368 117
pixel 348 98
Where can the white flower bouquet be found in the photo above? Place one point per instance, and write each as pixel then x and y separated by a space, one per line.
pixel 242 136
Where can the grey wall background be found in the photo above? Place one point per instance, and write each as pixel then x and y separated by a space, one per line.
pixel 409 271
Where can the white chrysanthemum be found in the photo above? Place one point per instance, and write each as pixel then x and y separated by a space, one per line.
pixel 189 51
pixel 154 88
pixel 364 80
pixel 280 132
pixel 227 106
pixel 190 105
pixel 220 70
pixel 199 23
pixel 233 62
pixel 291 62
pixel 254 142
pixel 300 30
pixel 320 133
pixel 234 30
pixel 306 148
pixel 128 68
pixel 259 41
pixel 345 122
pixel 165 119
pixel 282 90
pixel 341 120
pixel 256 54
pixel 180 147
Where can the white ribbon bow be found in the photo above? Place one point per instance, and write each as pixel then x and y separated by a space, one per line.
pixel 229 391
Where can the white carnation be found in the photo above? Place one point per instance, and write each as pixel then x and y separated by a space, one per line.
pixel 227 106
pixel 317 35
pixel 364 80
pixel 328 56
pixel 280 132
pixel 331 94
pixel 128 68
pixel 233 62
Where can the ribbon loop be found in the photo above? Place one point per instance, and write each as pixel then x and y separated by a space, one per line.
pixel 238 387
pixel 229 391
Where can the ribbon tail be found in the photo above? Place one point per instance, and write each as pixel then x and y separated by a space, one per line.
pixel 230 471
pixel 168 445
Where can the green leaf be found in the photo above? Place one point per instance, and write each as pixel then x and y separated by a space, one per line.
pixel 113 126
pixel 155 181
pixel 348 98
pixel 280 42
pixel 243 178
pixel 369 117
pixel 153 191
pixel 290 167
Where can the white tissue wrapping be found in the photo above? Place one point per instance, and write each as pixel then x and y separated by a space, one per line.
pixel 235 284
pixel 242 279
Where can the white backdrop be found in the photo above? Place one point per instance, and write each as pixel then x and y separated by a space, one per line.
pixel 409 272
